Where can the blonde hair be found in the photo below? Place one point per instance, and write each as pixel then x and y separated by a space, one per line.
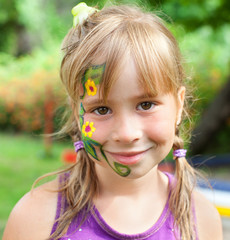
pixel 113 35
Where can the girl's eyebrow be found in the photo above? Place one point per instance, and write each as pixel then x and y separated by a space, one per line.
pixel 93 101
pixel 97 101
pixel 144 96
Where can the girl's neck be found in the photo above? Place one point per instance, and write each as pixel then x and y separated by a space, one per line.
pixel 131 206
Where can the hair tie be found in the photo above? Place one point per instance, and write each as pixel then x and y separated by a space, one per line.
pixel 81 12
pixel 78 145
pixel 179 153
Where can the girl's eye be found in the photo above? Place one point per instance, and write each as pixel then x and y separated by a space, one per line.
pixel 145 106
pixel 102 111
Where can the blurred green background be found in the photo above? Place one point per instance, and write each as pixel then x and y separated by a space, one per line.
pixel 31 32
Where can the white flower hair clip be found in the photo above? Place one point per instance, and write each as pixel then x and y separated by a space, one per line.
pixel 81 12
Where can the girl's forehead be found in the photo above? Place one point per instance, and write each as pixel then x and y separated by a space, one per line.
pixel 97 86
pixel 101 78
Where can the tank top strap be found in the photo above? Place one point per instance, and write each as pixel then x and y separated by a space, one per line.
pixel 61 201
pixel 170 182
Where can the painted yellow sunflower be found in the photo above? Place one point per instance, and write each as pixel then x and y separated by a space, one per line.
pixel 90 87
pixel 88 129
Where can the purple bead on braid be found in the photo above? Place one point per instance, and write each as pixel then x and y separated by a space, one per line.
pixel 179 153
pixel 78 145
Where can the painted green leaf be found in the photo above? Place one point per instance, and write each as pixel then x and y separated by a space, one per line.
pixel 82 110
pixel 121 169
pixel 91 150
pixel 89 144
pixel 95 73
pixel 81 119
pixel 81 115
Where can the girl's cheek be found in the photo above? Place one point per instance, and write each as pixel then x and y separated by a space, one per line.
pixel 160 130
pixel 102 128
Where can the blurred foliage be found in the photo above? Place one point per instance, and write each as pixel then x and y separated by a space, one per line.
pixel 27 85
pixel 31 35
pixel 33 22
pixel 197 13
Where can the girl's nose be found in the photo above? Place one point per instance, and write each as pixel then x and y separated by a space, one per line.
pixel 127 130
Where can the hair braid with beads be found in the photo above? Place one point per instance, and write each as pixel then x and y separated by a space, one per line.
pixel 181 197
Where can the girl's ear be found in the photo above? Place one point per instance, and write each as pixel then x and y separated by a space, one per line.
pixel 180 103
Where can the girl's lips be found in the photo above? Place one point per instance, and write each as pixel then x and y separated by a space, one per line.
pixel 127 158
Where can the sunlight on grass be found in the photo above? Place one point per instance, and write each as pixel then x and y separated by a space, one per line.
pixel 22 160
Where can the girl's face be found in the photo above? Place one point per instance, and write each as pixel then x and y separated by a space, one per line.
pixel 131 133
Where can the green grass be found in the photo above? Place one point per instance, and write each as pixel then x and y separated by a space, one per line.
pixel 22 160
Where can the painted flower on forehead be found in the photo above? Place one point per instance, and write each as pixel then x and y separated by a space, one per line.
pixel 92 77
pixel 90 87
pixel 88 129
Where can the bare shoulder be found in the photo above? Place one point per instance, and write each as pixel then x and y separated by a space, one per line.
pixel 208 219
pixel 34 214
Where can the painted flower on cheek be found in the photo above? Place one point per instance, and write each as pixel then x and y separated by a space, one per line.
pixel 88 129
pixel 90 87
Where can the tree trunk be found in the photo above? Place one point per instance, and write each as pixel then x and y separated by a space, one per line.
pixel 213 119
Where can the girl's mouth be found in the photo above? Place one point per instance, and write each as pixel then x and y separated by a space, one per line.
pixel 127 158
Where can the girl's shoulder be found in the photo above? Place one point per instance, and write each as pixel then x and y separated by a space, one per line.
pixel 208 219
pixel 34 214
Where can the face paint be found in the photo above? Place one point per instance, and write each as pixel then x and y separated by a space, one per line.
pixel 90 87
pixel 90 144
pixel 88 129
pixel 91 78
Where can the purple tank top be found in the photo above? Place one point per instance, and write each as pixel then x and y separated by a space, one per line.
pixel 95 227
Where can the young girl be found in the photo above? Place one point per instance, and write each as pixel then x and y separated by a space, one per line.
pixel 123 75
